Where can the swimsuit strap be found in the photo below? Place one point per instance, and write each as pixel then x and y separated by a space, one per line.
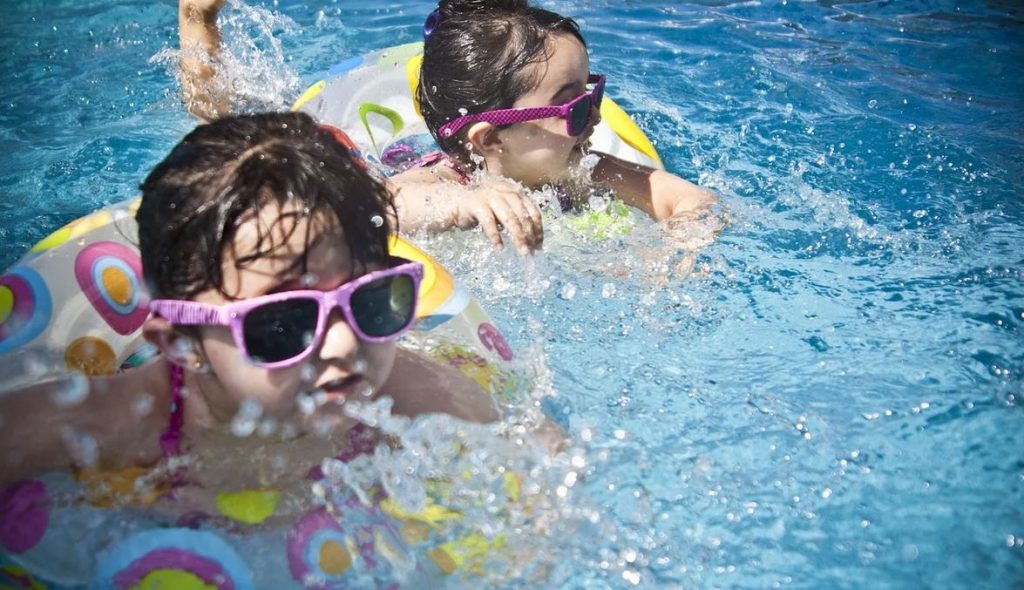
pixel 170 440
pixel 435 158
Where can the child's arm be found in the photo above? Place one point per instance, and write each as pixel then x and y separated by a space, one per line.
pixel 426 200
pixel 199 40
pixel 115 420
pixel 420 385
pixel 658 193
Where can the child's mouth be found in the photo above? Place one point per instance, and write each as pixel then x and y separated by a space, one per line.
pixel 337 389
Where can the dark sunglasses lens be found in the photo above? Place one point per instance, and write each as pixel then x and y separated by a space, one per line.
pixel 279 331
pixel 598 95
pixel 383 307
pixel 579 115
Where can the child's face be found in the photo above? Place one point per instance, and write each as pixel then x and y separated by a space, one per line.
pixel 540 152
pixel 343 365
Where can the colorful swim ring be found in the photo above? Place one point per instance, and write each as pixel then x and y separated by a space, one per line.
pixel 76 302
pixel 371 98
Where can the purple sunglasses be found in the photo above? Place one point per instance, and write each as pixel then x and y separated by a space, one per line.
pixel 576 112
pixel 281 329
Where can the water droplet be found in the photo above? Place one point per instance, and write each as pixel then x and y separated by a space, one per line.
pixel 82 447
pixel 305 403
pixel 71 392
pixel 307 372
pixel 598 203
pixel 910 552
pixel 608 290
pixel 309 279
pixel 143 405
pixel 872 103
pixel 568 291
pixel 267 427
pixel 590 161
pixel 245 421
pixel 377 221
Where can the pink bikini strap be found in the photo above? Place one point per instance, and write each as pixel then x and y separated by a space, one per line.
pixel 170 440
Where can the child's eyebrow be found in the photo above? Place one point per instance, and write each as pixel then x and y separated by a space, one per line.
pixel 568 87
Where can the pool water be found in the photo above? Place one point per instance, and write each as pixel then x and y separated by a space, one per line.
pixel 829 396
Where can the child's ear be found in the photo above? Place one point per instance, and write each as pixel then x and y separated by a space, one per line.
pixel 485 139
pixel 176 347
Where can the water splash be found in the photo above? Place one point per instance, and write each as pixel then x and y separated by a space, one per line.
pixel 251 66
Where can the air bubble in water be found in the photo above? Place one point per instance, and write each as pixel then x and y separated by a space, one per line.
pixel 568 291
pixel 872 103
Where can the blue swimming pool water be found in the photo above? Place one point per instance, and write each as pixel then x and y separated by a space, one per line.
pixel 831 398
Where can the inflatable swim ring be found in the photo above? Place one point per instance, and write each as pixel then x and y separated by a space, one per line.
pixel 371 98
pixel 76 302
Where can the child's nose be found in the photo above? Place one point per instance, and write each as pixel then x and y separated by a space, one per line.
pixel 340 342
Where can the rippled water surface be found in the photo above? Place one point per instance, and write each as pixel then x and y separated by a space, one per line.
pixel 831 397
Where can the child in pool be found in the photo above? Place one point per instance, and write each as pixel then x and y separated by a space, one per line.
pixel 484 62
pixel 507 88
pixel 264 246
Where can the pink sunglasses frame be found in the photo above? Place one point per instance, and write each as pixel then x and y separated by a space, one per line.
pixel 519 115
pixel 193 313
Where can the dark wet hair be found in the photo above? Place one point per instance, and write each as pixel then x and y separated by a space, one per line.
pixel 223 173
pixel 475 60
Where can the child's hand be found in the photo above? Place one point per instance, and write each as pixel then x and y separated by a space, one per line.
pixel 498 206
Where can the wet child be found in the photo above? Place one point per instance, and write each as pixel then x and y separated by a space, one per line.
pixel 264 245
pixel 506 88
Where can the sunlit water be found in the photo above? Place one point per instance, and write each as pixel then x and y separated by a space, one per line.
pixel 829 397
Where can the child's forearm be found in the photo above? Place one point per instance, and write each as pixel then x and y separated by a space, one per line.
pixel 199 40
pixel 424 205
pixel 658 193
pixel 81 421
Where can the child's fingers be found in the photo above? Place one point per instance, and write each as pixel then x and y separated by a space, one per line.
pixel 510 219
pixel 533 220
pixel 485 217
